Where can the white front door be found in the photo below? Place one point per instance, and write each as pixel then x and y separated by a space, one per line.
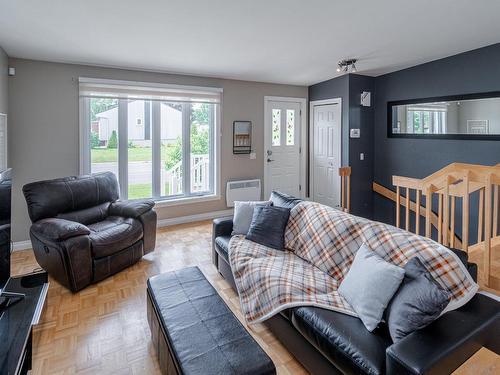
pixel 282 141
pixel 326 154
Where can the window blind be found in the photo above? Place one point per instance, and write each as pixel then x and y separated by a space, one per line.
pixel 90 87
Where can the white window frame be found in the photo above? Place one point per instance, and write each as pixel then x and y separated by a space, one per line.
pixel 215 139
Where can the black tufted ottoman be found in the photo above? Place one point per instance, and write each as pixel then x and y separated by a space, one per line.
pixel 194 332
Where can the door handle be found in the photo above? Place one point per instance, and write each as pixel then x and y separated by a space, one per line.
pixel 269 160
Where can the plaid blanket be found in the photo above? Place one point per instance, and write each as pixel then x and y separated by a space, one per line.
pixel 321 243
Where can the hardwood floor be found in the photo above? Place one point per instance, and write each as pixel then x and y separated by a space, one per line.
pixel 103 329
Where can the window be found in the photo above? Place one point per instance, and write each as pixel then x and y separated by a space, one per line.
pixel 160 141
pixel 426 119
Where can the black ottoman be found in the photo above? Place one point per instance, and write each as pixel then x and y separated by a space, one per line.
pixel 194 332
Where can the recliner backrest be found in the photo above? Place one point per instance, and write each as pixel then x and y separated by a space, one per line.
pixel 51 198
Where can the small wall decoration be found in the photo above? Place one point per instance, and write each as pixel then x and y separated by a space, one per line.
pixel 242 137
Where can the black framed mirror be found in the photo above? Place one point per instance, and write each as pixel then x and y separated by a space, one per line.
pixel 471 116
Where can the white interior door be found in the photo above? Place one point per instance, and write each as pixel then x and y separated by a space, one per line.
pixel 326 154
pixel 282 148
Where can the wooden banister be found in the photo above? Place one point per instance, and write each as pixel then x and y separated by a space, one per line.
pixel 457 180
pixel 389 194
pixel 345 188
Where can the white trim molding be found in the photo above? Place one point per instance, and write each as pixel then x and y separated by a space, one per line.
pixel 193 218
pixel 21 245
pixel 303 138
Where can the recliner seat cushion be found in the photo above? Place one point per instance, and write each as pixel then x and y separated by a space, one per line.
pixel 113 234
pixel 343 339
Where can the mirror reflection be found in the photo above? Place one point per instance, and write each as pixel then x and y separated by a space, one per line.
pixel 470 117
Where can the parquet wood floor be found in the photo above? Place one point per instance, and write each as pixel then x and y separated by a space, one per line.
pixel 103 329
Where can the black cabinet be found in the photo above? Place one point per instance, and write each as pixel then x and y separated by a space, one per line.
pixel 16 322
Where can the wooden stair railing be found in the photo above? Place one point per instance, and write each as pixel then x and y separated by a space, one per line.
pixel 453 185
pixel 389 194
pixel 345 188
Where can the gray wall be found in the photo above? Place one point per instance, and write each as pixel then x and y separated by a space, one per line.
pixel 475 71
pixel 349 87
pixel 43 112
pixel 3 81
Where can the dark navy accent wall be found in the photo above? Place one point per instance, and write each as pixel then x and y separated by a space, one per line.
pixel 349 88
pixel 362 170
pixel 476 71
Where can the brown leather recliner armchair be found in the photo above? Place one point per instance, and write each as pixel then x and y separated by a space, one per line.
pixel 82 233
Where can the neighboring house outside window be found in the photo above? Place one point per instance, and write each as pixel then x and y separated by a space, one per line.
pixel 160 141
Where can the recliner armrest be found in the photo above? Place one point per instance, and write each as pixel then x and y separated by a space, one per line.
pixel 222 226
pixel 59 229
pixel 132 208
pixel 446 343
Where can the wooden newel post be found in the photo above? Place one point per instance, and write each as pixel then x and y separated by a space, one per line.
pixel 345 188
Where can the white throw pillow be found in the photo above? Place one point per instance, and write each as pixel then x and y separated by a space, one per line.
pixel 369 286
pixel 243 213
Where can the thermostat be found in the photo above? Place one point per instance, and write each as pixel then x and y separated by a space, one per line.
pixel 355 133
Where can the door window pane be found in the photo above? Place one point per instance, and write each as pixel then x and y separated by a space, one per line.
pixel 171 149
pixel 201 117
pixel 103 135
pixel 139 149
pixel 290 127
pixel 276 127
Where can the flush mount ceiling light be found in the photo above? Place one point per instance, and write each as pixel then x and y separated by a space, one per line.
pixel 347 65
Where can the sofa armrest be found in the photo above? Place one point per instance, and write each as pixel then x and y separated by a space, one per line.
pixel 222 226
pixel 59 229
pixel 445 344
pixel 132 208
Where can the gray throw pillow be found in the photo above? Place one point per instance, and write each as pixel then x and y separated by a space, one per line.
pixel 369 285
pixel 268 226
pixel 418 301
pixel 243 213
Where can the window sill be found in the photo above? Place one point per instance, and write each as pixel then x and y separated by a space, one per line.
pixel 187 200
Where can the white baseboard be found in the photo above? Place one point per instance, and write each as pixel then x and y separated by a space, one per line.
pixel 193 218
pixel 21 245
pixel 24 245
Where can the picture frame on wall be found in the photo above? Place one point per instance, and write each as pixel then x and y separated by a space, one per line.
pixel 242 137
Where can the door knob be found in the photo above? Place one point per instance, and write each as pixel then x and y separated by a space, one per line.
pixel 269 160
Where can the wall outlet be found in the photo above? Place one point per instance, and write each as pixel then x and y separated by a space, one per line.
pixel 253 155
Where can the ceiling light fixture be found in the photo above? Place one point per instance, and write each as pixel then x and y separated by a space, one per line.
pixel 347 65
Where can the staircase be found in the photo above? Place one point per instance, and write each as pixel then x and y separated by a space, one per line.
pixel 451 187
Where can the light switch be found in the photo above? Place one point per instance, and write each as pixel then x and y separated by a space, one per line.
pixel 253 155
pixel 362 156
pixel 355 133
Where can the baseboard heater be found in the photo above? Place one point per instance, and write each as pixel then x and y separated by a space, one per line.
pixel 244 190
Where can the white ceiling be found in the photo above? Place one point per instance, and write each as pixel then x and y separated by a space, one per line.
pixel 283 41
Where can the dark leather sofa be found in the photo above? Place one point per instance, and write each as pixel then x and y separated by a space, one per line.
pixel 328 342
pixel 82 233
